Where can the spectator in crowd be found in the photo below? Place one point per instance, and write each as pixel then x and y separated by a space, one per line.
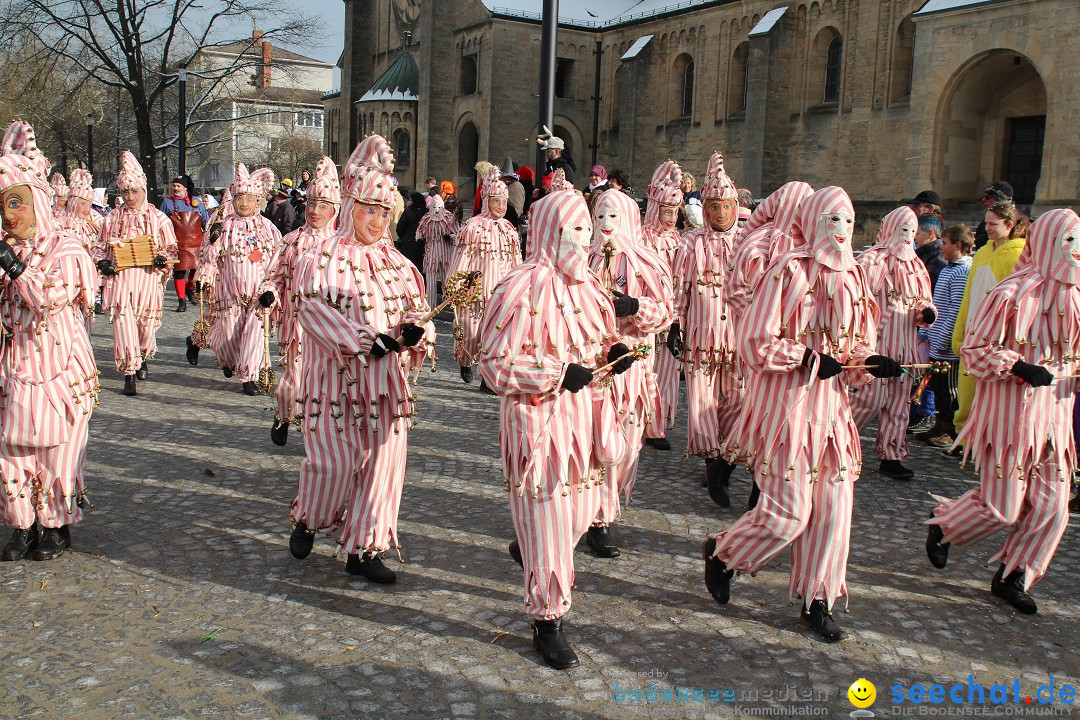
pixel 927 202
pixel 746 199
pixel 528 181
pixel 299 203
pixel 928 245
pixel 558 158
pixel 956 244
pixel 450 199
pixel 407 242
pixel 515 205
pixel 691 196
pixel 999 191
pixel 305 178
pixel 280 211
pixel 597 179
pixel 619 180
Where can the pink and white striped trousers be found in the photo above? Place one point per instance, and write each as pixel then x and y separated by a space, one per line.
pixel 890 401
pixel 135 297
pixel 666 368
pixel 236 337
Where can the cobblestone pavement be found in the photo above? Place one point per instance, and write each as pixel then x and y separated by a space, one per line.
pixel 180 598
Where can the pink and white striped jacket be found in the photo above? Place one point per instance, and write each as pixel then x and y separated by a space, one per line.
pixel 238 261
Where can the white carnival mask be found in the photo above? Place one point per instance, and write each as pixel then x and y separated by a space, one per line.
pixel 573 250
pixel 609 220
pixel 905 234
pixel 838 228
pixel 1068 244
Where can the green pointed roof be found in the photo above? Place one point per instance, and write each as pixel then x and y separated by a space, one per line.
pixel 401 81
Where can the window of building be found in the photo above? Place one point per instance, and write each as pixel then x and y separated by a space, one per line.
pixel 681 87
pixel 903 58
pixel 467 84
pixel 564 70
pixel 213 171
pixel 309 119
pixel 739 78
pixel 688 90
pixel 832 69
pixel 402 155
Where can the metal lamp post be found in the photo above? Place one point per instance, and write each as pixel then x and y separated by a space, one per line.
pixel 90 143
pixel 182 136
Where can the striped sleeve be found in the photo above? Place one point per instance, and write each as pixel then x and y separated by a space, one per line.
pixel 759 341
pixel 983 353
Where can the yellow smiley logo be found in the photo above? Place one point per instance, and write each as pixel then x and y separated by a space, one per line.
pixel 862 693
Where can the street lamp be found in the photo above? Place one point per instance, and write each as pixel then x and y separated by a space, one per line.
pixel 90 143
pixel 182 135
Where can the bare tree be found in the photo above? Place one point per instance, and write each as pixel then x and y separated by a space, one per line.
pixel 139 46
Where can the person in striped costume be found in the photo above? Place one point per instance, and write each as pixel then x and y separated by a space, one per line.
pixel 360 301
pixel 703 334
pixel 48 380
pixel 664 196
pixel 80 220
pixel 134 296
pixel 812 314
pixel 438 230
pixel 234 267
pixel 549 321
pixel 1023 347
pixel 640 285
pixel 279 291
pixel 901 286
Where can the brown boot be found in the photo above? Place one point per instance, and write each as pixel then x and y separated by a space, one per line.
pixel 939 428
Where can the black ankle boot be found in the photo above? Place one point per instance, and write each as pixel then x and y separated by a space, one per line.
pixel 485 389
pixel 717 478
pixel 301 541
pixel 192 351
pixel 279 433
pixel 1011 590
pixel 22 542
pixel 936 550
pixel 515 552
pixel 129 385
pixel 549 640
pixel 895 470
pixel 53 543
pixel 250 388
pixel 182 307
pixel 370 566
pixel 661 443
pixel 755 495
pixel 821 620
pixel 141 373
pixel 602 543
pixel 226 371
pixel 466 373
pixel 717 575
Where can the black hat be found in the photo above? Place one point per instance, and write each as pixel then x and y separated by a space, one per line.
pixel 1000 191
pixel 187 183
pixel 926 196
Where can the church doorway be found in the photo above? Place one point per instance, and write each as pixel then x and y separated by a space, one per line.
pixel 468 155
pixel 990 127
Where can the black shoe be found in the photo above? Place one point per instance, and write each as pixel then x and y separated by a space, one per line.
pixel 601 542
pixel 1011 590
pixel 549 640
pixel 1074 505
pixel 515 552
pixel 226 371
pixel 192 351
pixel 485 389
pixel 53 543
pixel 279 433
pixel 370 566
pixel 717 576
pixel 466 373
pixel 251 388
pixel 937 551
pixel 660 443
pixel 182 307
pixel 821 620
pixel 129 385
pixel 98 310
pixel 896 471
pixel 22 542
pixel 717 477
pixel 301 541
pixel 142 372
pixel 755 494
pixel 920 423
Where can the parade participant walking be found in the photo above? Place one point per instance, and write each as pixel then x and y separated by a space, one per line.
pixel 234 268
pixel 134 295
pixel 659 234
pixel 639 283
pixel 550 321
pixel 361 301
pixel 437 231
pixel 1023 348
pixel 48 380
pixel 279 290
pixel 901 287
pixel 60 192
pixel 490 244
pixel 210 237
pixel 703 334
pixel 190 219
pixel 812 314
pixel 81 222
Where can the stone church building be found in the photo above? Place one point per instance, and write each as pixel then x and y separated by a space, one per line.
pixel 882 97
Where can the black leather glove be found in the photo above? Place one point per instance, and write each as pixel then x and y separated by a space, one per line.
pixel 106 268
pixel 411 333
pixel 827 365
pixel 674 340
pixel 267 298
pixel 197 287
pixel 1033 375
pixel 883 367
pixel 929 316
pixel 384 344
pixel 618 350
pixel 13 267
pixel 576 377
pixel 159 261
pixel 215 233
pixel 624 304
